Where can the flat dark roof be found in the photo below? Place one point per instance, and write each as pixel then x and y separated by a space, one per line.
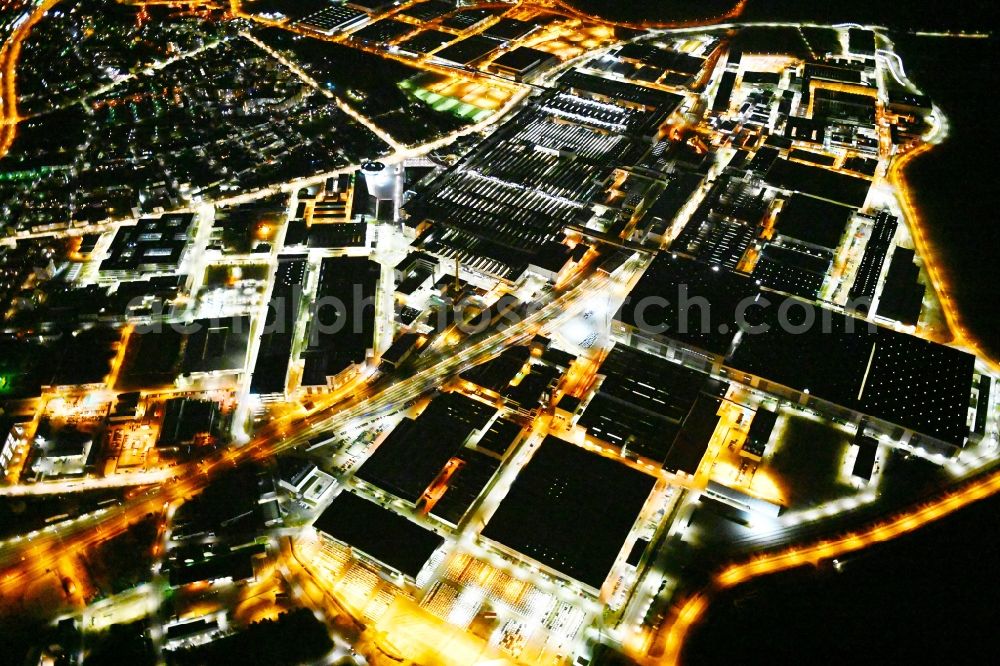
pixel 414 280
pixel 237 565
pixel 64 441
pixel 668 278
pixel 893 376
pixel 383 30
pixel 569 403
pixel 508 29
pixel 400 347
pixel 217 345
pixel 902 295
pixel 813 221
pixel 204 345
pixel 498 372
pixel 571 509
pixel 186 418
pixel 864 464
pixel 352 280
pixel 621 91
pixel 86 356
pixel 294 470
pixel 919 384
pixel 724 92
pixel 371 5
pixel 821 159
pixel 642 401
pixel 416 258
pixel 379 533
pixel 662 58
pixel 906 98
pixel 760 431
pixel 341 234
pixel 502 434
pixel 770 78
pixel 273 356
pixel 469 49
pixel 982 405
pixel 522 58
pixel 552 256
pixel 805 129
pixel 468 18
pixel 861 41
pixel 189 628
pixel 426 41
pixel 692 441
pixel 819 182
pixel 763 159
pixel 151 241
pixel 557 358
pixel 530 392
pixel 863 165
pixel 466 483
pixel 829 364
pixel 791 271
pixel 635 554
pixel 428 11
pixel 416 451
pixel 678 191
pixel 88 242
pixel 832 73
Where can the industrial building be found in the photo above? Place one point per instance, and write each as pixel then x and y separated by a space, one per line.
pixel 522 63
pixel 417 450
pixel 554 503
pixel 813 222
pixel 644 402
pixel 914 389
pixel 152 246
pixel 342 330
pixel 270 368
pixel 375 533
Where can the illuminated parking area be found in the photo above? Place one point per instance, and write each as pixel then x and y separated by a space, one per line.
pixel 523 612
pixel 467 602
pixel 571 39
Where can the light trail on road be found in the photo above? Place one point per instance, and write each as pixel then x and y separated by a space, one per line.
pixel 897 179
pixel 273 439
pixel 10 53
pixel 687 614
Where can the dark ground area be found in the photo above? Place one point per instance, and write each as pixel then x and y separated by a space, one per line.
pixel 956 184
pixel 926 598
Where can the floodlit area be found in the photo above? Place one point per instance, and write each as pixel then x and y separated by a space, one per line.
pixel 457 95
pixel 807 461
pixel 570 41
